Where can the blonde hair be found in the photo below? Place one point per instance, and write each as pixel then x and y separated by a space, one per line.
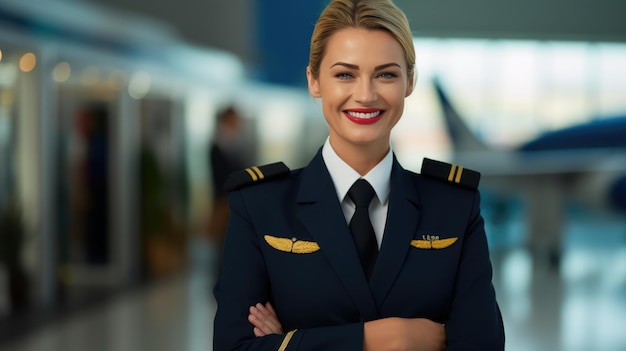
pixel 367 14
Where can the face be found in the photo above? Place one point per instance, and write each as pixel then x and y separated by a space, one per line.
pixel 362 84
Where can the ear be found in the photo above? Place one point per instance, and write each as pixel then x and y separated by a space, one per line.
pixel 314 85
pixel 410 86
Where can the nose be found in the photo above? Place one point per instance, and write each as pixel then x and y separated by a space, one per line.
pixel 365 91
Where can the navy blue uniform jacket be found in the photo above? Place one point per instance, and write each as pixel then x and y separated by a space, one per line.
pixel 433 263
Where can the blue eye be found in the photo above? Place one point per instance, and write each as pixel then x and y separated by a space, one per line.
pixel 343 75
pixel 388 75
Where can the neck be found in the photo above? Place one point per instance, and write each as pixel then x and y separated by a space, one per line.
pixel 361 157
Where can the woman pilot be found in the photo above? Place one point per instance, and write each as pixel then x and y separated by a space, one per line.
pixel 353 252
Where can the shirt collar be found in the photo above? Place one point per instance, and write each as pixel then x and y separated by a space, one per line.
pixel 344 176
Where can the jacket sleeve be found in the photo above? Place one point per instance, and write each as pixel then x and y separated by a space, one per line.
pixel 474 322
pixel 244 281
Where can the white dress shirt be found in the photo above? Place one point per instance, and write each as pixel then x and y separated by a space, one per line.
pixel 344 176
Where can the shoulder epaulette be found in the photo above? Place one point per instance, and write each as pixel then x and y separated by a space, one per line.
pixel 451 173
pixel 253 175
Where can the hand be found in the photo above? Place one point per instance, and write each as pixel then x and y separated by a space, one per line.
pixel 264 320
pixel 406 334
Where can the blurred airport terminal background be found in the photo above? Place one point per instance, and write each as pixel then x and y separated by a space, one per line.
pixel 107 115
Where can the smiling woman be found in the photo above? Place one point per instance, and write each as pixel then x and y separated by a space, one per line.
pixel 362 80
pixel 334 254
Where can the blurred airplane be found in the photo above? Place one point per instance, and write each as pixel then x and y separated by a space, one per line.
pixel 584 163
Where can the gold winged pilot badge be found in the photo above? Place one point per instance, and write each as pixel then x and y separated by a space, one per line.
pixel 292 245
pixel 433 242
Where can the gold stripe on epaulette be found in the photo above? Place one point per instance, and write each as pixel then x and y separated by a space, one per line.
pixel 286 340
pixel 252 174
pixel 458 175
pixel 258 171
pixel 455 173
pixel 451 175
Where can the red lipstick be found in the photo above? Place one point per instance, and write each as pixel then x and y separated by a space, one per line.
pixel 364 115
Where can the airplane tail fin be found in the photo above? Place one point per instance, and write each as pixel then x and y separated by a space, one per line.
pixel 463 139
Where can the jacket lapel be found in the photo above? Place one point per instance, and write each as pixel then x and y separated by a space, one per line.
pixel 320 212
pixel 402 219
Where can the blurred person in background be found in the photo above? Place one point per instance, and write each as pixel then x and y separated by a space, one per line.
pixel 353 252
pixel 226 156
pixel 90 184
pixel 12 238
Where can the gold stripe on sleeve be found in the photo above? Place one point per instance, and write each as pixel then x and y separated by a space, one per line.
pixel 458 175
pixel 283 345
pixel 258 171
pixel 451 175
pixel 252 174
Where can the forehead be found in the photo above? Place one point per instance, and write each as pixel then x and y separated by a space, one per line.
pixel 359 45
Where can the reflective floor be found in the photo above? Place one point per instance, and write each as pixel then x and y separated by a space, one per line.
pixel 579 305
pixel 174 314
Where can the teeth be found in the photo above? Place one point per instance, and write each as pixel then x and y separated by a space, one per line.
pixel 364 115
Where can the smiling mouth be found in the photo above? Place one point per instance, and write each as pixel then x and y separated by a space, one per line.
pixel 364 117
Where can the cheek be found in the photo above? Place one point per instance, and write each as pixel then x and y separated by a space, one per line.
pixel 398 106
pixel 338 91
pixel 333 97
pixel 395 96
pixel 329 109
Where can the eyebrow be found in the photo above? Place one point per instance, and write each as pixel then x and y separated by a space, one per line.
pixel 356 67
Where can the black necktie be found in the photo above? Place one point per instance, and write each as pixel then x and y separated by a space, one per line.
pixel 361 193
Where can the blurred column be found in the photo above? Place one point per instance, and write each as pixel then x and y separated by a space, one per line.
pixel 30 93
pixel 283 36
pixel 125 251
pixel 47 181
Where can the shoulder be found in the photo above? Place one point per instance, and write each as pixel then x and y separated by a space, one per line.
pixel 450 173
pixel 445 188
pixel 256 175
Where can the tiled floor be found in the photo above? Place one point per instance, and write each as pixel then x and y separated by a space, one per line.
pixel 579 306
pixel 174 314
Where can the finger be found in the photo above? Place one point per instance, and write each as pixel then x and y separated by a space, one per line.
pixel 258 332
pixel 265 323
pixel 260 328
pixel 257 323
pixel 257 320
pixel 271 310
pixel 258 312
pixel 269 318
pixel 266 312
